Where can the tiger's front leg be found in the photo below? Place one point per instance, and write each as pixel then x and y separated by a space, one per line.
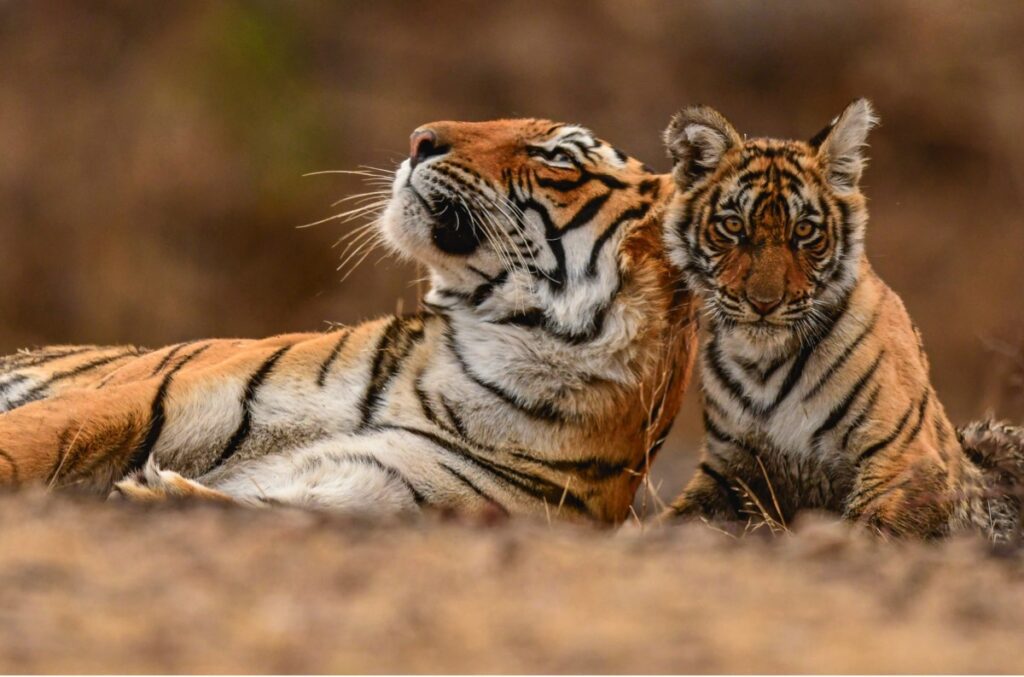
pixel 153 485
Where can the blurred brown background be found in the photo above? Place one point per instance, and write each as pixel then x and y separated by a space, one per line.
pixel 151 153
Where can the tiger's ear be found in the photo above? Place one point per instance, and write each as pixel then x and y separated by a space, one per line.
pixel 696 139
pixel 841 145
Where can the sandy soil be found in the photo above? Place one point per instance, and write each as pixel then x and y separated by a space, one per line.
pixel 93 587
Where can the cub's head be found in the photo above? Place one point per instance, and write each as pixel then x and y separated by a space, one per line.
pixel 769 232
pixel 524 222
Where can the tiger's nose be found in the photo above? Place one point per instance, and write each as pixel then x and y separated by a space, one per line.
pixel 423 144
pixel 764 306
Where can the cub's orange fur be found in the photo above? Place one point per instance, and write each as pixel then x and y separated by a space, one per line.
pixel 816 387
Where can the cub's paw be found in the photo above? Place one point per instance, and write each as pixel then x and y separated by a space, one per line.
pixel 153 484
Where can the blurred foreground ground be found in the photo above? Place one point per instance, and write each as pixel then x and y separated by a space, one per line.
pixel 88 587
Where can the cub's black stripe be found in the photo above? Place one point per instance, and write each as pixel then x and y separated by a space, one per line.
pixel 845 356
pixel 869 407
pixel 537 487
pixel 921 410
pixel 793 376
pixel 474 488
pixel 723 484
pixel 157 415
pixel 839 411
pixel 37 392
pixel 15 477
pixel 543 411
pixel 754 371
pixel 731 385
pixel 889 439
pixel 325 368
pixel 396 342
pixel 251 388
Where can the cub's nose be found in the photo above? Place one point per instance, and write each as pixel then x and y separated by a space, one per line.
pixel 424 143
pixel 764 306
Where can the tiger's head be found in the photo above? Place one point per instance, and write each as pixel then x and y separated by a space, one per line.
pixel 768 232
pixel 522 222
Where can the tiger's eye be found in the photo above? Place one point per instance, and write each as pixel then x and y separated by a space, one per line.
pixel 733 225
pixel 804 229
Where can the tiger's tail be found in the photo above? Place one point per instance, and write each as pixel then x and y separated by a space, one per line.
pixel 997 449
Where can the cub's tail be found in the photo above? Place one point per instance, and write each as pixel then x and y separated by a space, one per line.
pixel 997 449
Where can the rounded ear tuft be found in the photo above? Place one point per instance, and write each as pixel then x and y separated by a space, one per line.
pixel 841 145
pixel 696 139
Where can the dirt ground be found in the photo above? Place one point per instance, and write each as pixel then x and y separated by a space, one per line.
pixel 93 587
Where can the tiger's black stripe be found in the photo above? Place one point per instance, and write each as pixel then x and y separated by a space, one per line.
pixel 157 415
pixel 37 392
pixel 626 216
pixel 537 487
pixel 14 380
pixel 245 425
pixel 171 354
pixel 543 411
pixel 592 469
pixel 33 359
pixel 396 342
pixel 390 471
pixel 325 368
pixel 474 488
pixel 454 417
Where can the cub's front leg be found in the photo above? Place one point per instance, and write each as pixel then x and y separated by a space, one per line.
pixel 721 488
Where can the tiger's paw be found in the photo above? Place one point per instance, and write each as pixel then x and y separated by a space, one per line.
pixel 152 485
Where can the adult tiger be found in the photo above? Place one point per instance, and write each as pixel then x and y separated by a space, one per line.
pixel 816 387
pixel 542 378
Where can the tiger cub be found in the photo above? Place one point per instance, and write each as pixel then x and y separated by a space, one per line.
pixel 815 382
pixel 541 379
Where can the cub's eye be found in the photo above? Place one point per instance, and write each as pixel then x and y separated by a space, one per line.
pixel 804 229
pixel 732 225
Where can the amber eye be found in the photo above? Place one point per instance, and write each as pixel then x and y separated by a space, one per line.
pixel 732 225
pixel 805 229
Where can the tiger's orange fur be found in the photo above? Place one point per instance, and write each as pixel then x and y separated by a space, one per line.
pixel 541 379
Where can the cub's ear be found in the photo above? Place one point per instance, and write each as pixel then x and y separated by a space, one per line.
pixel 841 145
pixel 696 140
